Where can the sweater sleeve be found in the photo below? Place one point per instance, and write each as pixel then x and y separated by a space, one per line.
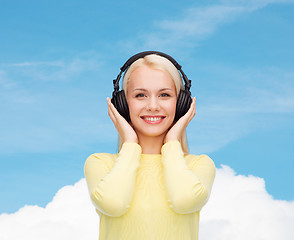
pixel 187 189
pixel 111 190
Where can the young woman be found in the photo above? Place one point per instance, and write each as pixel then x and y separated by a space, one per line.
pixel 153 188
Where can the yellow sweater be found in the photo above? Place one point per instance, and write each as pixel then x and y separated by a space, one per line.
pixel 149 196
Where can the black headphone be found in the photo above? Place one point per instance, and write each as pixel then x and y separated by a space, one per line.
pixel 119 99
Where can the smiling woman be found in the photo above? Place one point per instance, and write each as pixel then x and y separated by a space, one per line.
pixel 153 188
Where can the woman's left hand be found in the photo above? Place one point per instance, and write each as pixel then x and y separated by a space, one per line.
pixel 176 131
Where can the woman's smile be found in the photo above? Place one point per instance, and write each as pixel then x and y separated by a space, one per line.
pixel 153 119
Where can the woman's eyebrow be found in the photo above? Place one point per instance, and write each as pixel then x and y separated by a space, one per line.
pixel 164 89
pixel 139 89
pixel 145 90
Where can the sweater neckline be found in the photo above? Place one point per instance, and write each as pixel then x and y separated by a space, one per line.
pixel 145 156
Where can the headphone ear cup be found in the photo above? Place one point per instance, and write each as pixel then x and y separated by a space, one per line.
pixel 183 104
pixel 119 101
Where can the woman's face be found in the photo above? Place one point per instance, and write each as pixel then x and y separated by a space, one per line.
pixel 152 98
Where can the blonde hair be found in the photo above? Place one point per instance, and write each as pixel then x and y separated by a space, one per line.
pixel 158 63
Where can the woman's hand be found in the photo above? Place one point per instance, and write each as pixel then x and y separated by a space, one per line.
pixel 124 129
pixel 176 131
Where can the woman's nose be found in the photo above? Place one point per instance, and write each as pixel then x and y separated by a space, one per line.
pixel 153 104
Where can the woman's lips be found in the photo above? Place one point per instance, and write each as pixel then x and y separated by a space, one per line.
pixel 153 119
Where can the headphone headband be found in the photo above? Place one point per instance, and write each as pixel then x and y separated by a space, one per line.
pixel 132 59
pixel 143 54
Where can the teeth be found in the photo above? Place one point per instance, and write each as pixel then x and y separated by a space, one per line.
pixel 153 119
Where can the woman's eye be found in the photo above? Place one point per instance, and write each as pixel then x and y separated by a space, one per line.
pixel 140 95
pixel 164 95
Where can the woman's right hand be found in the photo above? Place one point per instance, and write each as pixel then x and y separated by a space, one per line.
pixel 124 129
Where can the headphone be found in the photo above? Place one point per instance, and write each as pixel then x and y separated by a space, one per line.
pixel 119 99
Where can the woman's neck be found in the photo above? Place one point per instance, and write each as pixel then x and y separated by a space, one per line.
pixel 151 145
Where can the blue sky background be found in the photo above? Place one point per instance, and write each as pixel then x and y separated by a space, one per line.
pixel 58 60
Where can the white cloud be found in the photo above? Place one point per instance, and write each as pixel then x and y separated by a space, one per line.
pixel 70 215
pixel 253 4
pixel 239 208
pixel 35 64
pixel 58 70
pixel 200 21
pixel 196 23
